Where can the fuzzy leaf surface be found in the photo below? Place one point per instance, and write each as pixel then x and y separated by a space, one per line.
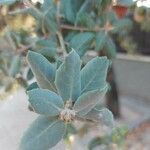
pixel 42 70
pixel 43 134
pixel 93 75
pixel 68 80
pixel 87 101
pixel 45 102
pixel 103 116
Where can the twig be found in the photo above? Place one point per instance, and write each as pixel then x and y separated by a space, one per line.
pixel 59 33
pixel 69 27
pixel 24 48
pixel 85 120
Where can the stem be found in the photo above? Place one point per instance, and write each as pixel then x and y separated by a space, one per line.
pixel 77 28
pixel 59 33
pixel 85 120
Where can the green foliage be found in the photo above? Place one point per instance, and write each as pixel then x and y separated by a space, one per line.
pixel 102 115
pixel 32 86
pixel 39 64
pixel 81 42
pixel 87 101
pixel 69 72
pixel 7 2
pixel 44 133
pixel 46 47
pixel 70 105
pixel 101 38
pixel 117 136
pixel 93 75
pixel 51 104
pixel 15 66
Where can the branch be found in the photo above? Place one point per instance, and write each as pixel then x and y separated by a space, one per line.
pixel 85 120
pixel 59 33
pixel 77 28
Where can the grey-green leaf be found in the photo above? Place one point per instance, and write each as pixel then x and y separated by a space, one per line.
pixel 45 102
pixel 100 40
pixel 103 116
pixel 81 42
pixel 43 134
pixel 32 86
pixel 107 117
pixel 42 70
pixel 7 2
pixel 111 48
pixel 93 75
pixel 68 80
pixel 15 66
pixel 87 101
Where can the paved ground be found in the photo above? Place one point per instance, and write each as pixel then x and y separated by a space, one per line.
pixel 15 118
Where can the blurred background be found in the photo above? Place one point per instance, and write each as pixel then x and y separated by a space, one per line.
pixel 118 29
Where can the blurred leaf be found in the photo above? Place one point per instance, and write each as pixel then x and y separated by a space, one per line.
pixel 32 86
pixel 7 2
pixel 100 40
pixel 110 47
pixel 120 24
pixel 15 66
pixel 106 117
pixel 103 116
pixel 118 134
pixel 43 134
pixel 95 142
pixel 71 129
pixel 29 74
pixel 84 19
pixel 81 42
pixel 46 47
pixel 68 8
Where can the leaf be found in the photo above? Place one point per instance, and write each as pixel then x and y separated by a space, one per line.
pixel 119 133
pixel 107 117
pixel 7 2
pixel 84 19
pixel 32 86
pixel 81 42
pixel 68 9
pixel 95 142
pixel 15 66
pixel 68 80
pixel 93 75
pixel 87 101
pixel 111 48
pixel 70 130
pixel 46 47
pixel 45 102
pixel 42 70
pixel 103 116
pixel 29 74
pixel 100 40
pixel 43 134
pixel 121 25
